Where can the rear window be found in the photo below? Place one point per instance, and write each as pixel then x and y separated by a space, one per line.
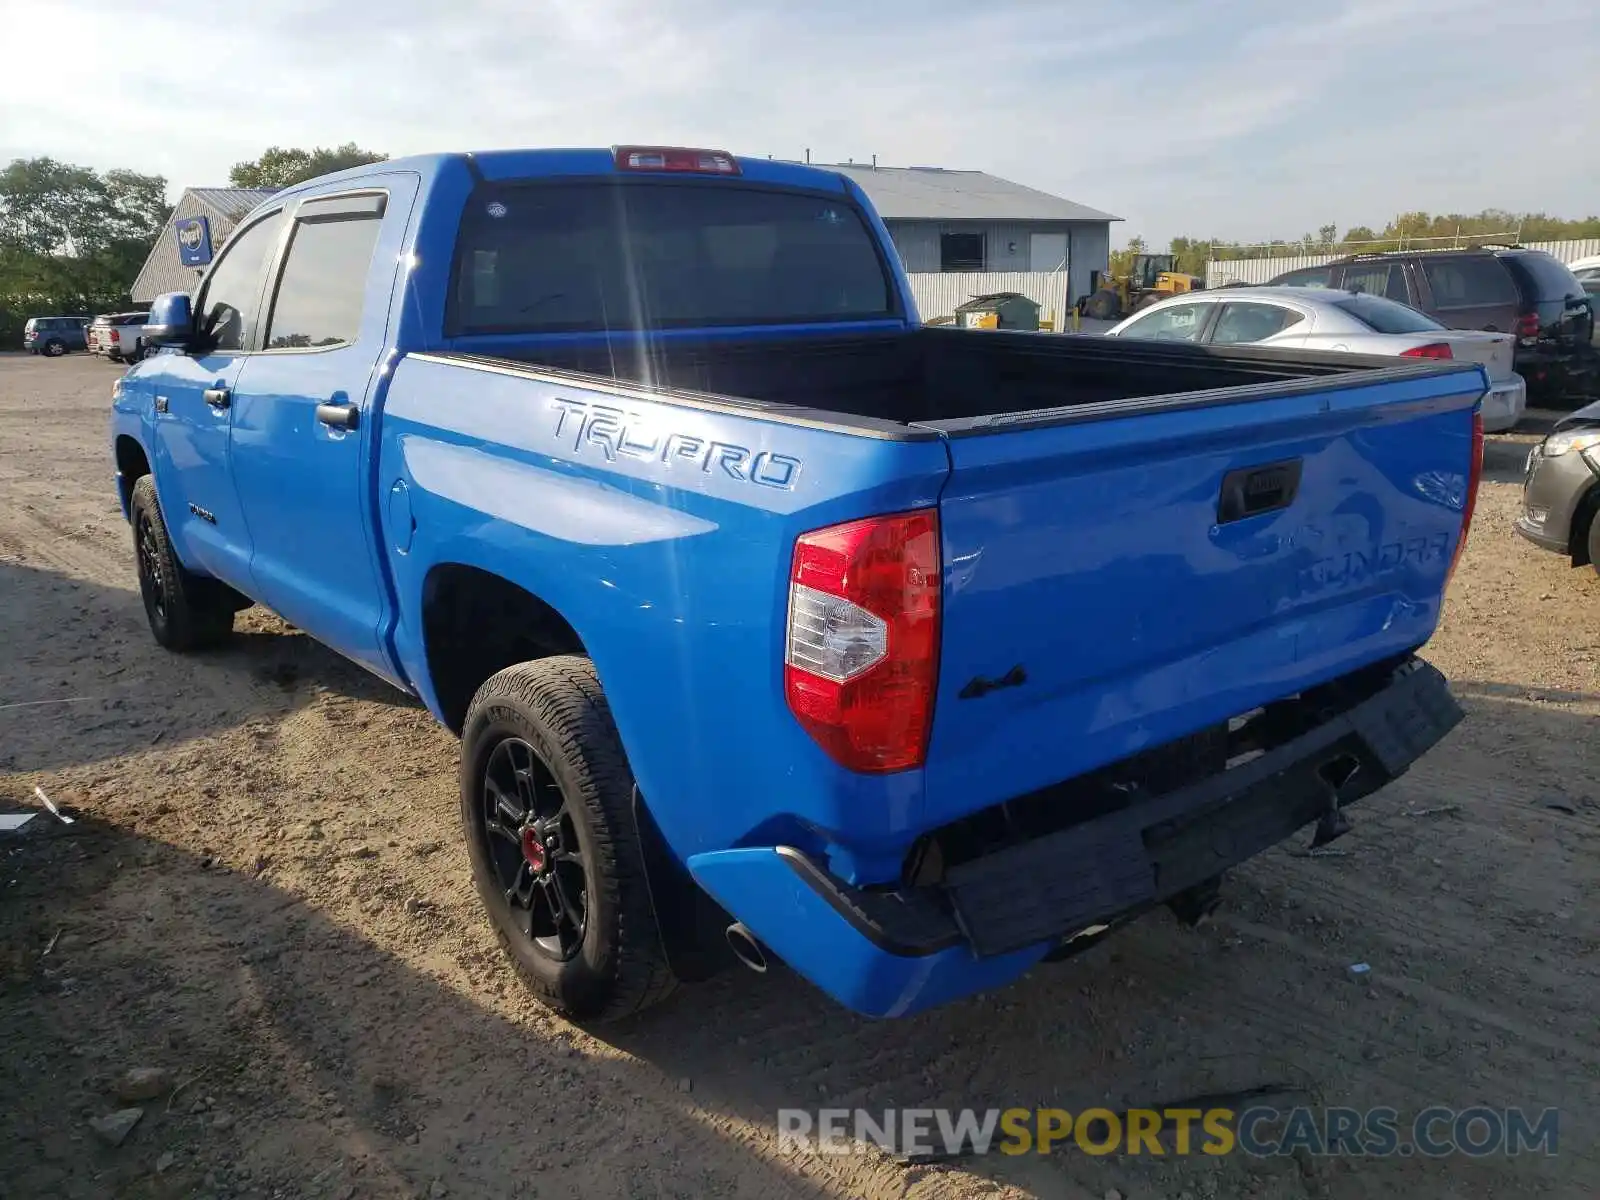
pixel 593 256
pixel 1309 277
pixel 1551 278
pixel 1462 282
pixel 1385 316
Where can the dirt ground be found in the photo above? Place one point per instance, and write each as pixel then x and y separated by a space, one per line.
pixel 266 895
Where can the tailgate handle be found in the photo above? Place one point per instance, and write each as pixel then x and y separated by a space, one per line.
pixel 1250 491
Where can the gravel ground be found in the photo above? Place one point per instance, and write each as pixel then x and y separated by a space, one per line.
pixel 265 897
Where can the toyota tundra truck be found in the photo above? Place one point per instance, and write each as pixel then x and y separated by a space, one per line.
pixel 778 627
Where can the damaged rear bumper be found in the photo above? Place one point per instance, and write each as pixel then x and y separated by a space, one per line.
pixel 890 952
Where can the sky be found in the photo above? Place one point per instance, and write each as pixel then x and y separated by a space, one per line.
pixel 1242 119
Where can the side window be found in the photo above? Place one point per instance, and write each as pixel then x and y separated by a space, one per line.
pixel 1378 279
pixel 1310 277
pixel 961 252
pixel 1251 323
pixel 1180 323
pixel 1461 282
pixel 229 297
pixel 324 282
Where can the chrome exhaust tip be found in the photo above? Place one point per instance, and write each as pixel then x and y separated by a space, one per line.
pixel 746 948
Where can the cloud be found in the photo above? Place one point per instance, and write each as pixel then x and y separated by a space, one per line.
pixel 1240 118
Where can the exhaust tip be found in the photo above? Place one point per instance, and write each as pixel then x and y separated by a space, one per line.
pixel 746 948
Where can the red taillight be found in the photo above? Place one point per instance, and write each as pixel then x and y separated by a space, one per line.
pixel 1475 473
pixel 676 158
pixel 115 336
pixel 862 658
pixel 1431 350
pixel 1527 327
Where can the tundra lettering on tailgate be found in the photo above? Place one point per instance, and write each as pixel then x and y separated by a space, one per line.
pixel 615 432
pixel 1357 567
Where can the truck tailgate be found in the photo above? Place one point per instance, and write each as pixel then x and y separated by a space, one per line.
pixel 1119 578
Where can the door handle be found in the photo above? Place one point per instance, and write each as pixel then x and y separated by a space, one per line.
pixel 218 398
pixel 338 416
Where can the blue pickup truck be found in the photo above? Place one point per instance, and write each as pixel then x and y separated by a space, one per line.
pixel 775 624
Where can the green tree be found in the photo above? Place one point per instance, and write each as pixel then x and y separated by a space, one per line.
pixel 71 239
pixel 1122 260
pixel 281 167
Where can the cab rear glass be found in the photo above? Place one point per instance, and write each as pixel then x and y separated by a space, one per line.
pixel 545 257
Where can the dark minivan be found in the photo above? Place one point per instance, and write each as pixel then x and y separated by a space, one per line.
pixel 1505 290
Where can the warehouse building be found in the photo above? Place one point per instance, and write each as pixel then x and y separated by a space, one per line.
pixel 967 233
pixel 197 228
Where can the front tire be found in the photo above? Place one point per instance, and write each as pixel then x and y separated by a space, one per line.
pixel 1594 540
pixel 1104 305
pixel 186 611
pixel 546 804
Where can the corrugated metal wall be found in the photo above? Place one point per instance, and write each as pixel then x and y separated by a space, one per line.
pixel 1259 270
pixel 938 293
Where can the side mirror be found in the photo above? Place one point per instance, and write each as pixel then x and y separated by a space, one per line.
pixel 171 322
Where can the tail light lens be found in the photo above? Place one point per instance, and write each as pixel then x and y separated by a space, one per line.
pixel 1527 327
pixel 115 336
pixel 862 659
pixel 1475 473
pixel 1431 350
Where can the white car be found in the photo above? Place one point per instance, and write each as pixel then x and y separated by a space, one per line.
pixel 1327 319
pixel 1586 269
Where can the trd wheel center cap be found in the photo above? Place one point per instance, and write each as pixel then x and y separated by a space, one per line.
pixel 533 849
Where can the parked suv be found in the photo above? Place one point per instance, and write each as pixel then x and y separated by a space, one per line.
pixel 118 336
pixel 1505 290
pixel 53 336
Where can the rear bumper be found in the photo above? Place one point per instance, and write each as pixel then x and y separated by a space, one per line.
pixel 1504 404
pixel 893 952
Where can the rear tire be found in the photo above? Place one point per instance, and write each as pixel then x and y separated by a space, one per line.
pixel 186 611
pixel 541 760
pixel 1102 306
pixel 55 348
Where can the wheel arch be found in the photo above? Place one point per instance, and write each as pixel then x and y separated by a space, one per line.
pixel 476 622
pixel 1584 515
pixel 132 464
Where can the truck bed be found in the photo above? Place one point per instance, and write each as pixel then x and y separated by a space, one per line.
pixel 946 377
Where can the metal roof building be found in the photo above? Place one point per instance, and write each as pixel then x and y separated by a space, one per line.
pixel 221 208
pixel 967 233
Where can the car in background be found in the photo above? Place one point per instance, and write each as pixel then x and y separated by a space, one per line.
pixel 1502 290
pixel 1330 319
pixel 1586 270
pixel 118 336
pixel 1561 489
pixel 53 336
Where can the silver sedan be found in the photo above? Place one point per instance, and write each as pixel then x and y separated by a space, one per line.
pixel 1327 319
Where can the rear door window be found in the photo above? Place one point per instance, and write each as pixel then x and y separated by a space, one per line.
pixel 1468 282
pixel 551 257
pixel 1252 322
pixel 1386 279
